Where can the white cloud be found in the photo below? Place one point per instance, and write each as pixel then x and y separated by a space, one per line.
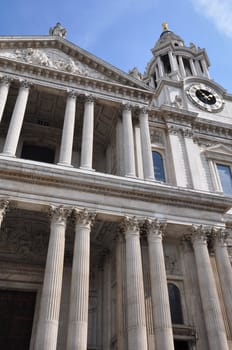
pixel 218 11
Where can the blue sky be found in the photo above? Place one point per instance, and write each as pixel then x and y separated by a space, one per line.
pixel 122 32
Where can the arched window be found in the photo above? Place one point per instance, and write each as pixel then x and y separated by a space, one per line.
pixel 175 304
pixel 158 166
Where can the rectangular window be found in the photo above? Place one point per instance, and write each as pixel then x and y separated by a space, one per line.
pixel 225 176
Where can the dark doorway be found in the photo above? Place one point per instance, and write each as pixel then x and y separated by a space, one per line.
pixel 181 345
pixel 16 318
pixel 38 153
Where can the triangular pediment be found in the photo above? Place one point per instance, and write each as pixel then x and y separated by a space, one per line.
pixel 58 54
pixel 219 152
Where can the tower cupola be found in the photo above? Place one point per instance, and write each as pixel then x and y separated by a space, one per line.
pixel 173 60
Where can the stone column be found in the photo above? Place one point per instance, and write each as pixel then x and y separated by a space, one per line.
pixel 137 333
pixel 193 68
pixel 3 208
pixel 87 135
pixel 210 302
pixel 224 269
pixel 4 89
pixel 160 67
pixel 159 290
pixel 16 122
pixel 68 130
pixel 51 293
pixel 181 64
pixel 128 142
pixel 79 295
pixel 171 60
pixel 205 68
pixel 148 168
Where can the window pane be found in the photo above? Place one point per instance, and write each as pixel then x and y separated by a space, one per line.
pixel 158 166
pixel 225 177
pixel 175 304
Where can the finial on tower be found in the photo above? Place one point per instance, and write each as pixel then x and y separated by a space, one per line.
pixel 165 26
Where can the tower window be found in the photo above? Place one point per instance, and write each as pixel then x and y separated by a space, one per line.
pixel 225 176
pixel 175 304
pixel 166 64
pixel 158 166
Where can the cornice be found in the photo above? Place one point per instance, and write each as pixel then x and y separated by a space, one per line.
pixel 106 185
pixel 81 84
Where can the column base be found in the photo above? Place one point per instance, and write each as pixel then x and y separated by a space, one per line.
pixel 132 176
pixel 86 168
pixel 5 154
pixel 65 164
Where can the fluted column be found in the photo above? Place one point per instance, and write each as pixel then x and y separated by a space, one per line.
pixel 210 302
pixel 193 68
pixel 51 293
pixel 3 207
pixel 4 90
pixel 87 134
pixel 79 295
pixel 181 64
pixel 128 142
pixel 148 168
pixel 159 291
pixel 224 269
pixel 68 130
pixel 137 333
pixel 16 122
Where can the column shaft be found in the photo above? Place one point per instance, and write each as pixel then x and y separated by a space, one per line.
pixel 137 333
pixel 16 122
pixel 128 142
pixel 225 271
pixel 79 295
pixel 68 131
pixel 51 293
pixel 181 64
pixel 193 68
pixel 87 135
pixel 148 169
pixel 4 89
pixel 210 302
pixel 160 299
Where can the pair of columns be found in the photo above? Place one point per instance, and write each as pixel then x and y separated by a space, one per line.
pixel 17 118
pixel 210 302
pixel 136 319
pixel 128 143
pixel 46 338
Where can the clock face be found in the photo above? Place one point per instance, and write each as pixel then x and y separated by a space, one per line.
pixel 205 97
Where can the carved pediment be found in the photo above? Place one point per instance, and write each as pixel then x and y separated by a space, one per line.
pixel 58 54
pixel 219 152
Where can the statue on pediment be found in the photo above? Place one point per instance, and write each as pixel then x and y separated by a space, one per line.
pixel 58 30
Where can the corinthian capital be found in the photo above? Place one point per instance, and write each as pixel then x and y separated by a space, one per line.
pixel 60 213
pixel 3 208
pixel 83 216
pixel 155 227
pixel 199 233
pixel 130 225
pixel 219 234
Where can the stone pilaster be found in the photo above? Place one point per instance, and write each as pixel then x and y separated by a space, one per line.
pixel 210 302
pixel 79 295
pixel 87 134
pixel 224 269
pixel 51 293
pixel 68 130
pixel 4 89
pixel 16 122
pixel 3 208
pixel 148 169
pixel 137 334
pixel 159 291
pixel 128 142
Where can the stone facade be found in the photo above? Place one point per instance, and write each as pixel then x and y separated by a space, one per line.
pixel 114 212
